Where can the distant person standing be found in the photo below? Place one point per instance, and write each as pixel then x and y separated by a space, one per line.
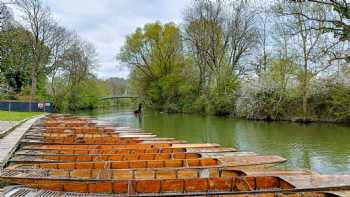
pixel 138 112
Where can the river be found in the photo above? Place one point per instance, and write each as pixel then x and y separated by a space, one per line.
pixel 323 148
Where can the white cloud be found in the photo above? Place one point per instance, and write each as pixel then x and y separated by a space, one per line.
pixel 106 23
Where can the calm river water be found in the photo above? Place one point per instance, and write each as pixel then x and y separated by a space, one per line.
pixel 324 148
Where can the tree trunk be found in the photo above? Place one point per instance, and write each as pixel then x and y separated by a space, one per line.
pixel 305 93
pixel 34 81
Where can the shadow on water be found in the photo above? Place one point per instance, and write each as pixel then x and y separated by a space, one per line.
pixel 323 148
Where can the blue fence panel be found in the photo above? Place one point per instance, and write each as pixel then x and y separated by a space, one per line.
pixel 26 106
pixel 4 106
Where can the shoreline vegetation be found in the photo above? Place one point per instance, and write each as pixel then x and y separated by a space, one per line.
pixel 299 120
pixel 280 61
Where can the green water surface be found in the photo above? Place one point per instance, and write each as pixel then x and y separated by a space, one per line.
pixel 323 148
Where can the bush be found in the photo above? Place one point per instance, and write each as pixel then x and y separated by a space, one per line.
pixel 333 102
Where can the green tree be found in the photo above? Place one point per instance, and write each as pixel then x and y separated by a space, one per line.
pixel 16 57
pixel 154 54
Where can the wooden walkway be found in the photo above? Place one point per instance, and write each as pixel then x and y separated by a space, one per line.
pixel 6 126
pixel 8 144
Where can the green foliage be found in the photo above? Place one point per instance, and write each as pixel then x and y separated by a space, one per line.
pixel 86 95
pixel 166 79
pixel 340 102
pixel 16 58
pixel 222 96
pixel 333 102
pixel 154 54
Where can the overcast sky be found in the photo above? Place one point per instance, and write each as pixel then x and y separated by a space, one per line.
pixel 106 23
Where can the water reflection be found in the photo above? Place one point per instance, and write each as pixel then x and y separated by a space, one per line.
pixel 323 148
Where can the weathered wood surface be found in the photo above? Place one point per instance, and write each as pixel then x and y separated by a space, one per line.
pixel 161 186
pixel 144 164
pixel 116 146
pixel 6 127
pixel 340 193
pixel 119 174
pixel 271 172
pixel 123 151
pixel 8 144
pixel 29 192
pixel 106 157
pixel 318 181
pixel 251 160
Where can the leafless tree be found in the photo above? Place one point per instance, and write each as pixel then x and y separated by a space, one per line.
pixel 5 15
pixel 38 20
pixel 218 34
pixel 61 42
pixel 311 46
pixel 336 20
pixel 78 60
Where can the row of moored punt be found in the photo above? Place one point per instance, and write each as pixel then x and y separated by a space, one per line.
pixel 65 155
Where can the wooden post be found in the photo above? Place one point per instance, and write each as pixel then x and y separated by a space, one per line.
pixel 30 105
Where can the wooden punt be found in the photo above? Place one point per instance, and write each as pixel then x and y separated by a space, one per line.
pixel 106 157
pixel 68 124
pixel 122 151
pixel 260 162
pixel 96 138
pixel 144 164
pixel 134 154
pixel 71 130
pixel 137 182
pixel 138 146
pixel 96 129
pixel 29 192
pixel 122 174
pixel 229 158
pixel 83 140
pixel 226 181
pixel 100 151
pixel 144 137
pixel 81 135
pixel 104 141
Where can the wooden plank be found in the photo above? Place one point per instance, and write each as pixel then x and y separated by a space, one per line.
pixel 175 145
pixel 9 143
pixel 251 160
pixel 269 172
pixel 220 155
pixel 339 193
pixel 318 181
pixel 209 150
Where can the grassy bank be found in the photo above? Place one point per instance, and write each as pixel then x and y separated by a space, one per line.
pixel 16 116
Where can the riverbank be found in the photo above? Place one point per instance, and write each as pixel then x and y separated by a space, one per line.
pixel 301 120
pixel 292 119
